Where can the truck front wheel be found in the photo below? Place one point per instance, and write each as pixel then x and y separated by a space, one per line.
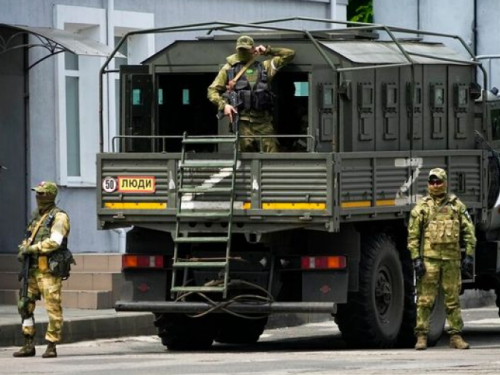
pixel 373 315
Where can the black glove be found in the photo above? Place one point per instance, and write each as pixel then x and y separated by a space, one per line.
pixel 419 267
pixel 468 267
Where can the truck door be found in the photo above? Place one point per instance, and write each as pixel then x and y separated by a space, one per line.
pixel 136 108
pixel 325 104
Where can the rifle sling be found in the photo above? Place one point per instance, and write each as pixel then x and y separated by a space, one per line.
pixel 232 82
pixel 35 231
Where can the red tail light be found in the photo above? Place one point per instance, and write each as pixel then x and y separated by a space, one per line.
pixel 142 261
pixel 337 262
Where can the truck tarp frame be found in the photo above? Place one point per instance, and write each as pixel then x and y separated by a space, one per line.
pixel 55 41
pixel 232 27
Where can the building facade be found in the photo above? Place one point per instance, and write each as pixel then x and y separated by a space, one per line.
pixel 49 114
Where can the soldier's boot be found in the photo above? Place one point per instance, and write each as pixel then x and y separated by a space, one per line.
pixel 457 342
pixel 421 342
pixel 28 349
pixel 50 352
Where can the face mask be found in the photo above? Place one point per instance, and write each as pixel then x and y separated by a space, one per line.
pixel 437 190
pixel 244 55
pixel 45 202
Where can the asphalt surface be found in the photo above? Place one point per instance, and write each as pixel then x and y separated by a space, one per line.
pixel 315 348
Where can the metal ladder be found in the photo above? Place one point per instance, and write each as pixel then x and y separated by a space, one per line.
pixel 184 265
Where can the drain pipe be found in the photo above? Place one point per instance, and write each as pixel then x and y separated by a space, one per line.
pixel 333 12
pixel 122 239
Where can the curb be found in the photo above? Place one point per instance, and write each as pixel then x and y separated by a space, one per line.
pixel 75 330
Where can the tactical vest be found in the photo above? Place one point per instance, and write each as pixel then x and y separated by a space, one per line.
pixel 44 231
pixel 442 234
pixel 253 87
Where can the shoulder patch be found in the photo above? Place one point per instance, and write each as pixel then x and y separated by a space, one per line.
pixel 466 214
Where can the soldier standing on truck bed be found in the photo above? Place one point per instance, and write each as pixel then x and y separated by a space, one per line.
pixel 253 90
pixel 438 224
pixel 47 233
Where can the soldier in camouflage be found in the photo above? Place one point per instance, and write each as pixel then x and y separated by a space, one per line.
pixel 442 222
pixel 253 89
pixel 50 235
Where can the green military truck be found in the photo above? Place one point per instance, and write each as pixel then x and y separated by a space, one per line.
pixel 222 239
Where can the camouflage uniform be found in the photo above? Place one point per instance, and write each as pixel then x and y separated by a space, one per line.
pixel 441 252
pixel 51 235
pixel 252 122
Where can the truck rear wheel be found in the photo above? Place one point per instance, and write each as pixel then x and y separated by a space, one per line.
pixel 407 337
pixel 235 330
pixel 180 332
pixel 437 320
pixel 373 315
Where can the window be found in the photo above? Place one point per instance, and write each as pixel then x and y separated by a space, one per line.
pixel 78 87
pixel 185 96
pixel 73 126
pixel 301 88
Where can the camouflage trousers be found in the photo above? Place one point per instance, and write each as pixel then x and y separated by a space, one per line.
pixel 257 144
pixel 47 286
pixel 444 273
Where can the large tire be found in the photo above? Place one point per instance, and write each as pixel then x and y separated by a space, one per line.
pixel 372 317
pixel 437 319
pixel 235 330
pixel 407 337
pixel 180 332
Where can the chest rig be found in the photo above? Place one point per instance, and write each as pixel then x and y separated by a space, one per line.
pixel 44 231
pixel 444 225
pixel 252 87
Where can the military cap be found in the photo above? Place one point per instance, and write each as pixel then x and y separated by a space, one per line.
pixel 46 187
pixel 438 173
pixel 244 42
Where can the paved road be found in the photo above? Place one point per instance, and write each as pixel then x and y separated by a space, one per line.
pixel 309 349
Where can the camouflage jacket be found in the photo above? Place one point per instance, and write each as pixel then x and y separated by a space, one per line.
pixel 280 57
pixel 52 233
pixel 448 229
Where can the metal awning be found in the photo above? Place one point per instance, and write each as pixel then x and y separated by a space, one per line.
pixel 361 52
pixel 54 41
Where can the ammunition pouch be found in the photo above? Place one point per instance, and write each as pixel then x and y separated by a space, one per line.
pixel 245 98
pixel 60 262
pixel 262 97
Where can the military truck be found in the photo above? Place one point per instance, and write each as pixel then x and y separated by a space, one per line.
pixel 222 239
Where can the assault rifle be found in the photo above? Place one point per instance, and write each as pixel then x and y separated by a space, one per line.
pixel 232 99
pixel 23 295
